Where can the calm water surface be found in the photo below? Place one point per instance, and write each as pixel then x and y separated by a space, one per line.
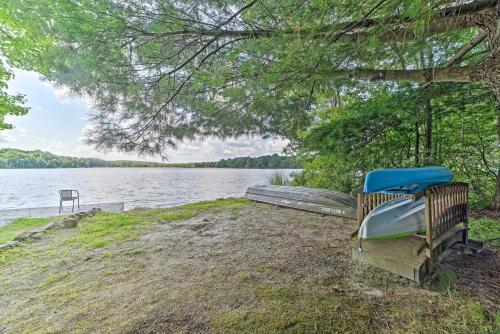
pixel 137 187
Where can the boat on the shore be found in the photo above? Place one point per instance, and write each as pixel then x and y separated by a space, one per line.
pixel 405 180
pixel 309 199
pixel 401 216
pixel 395 218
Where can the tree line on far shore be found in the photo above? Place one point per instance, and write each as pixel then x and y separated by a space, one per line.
pixel 14 158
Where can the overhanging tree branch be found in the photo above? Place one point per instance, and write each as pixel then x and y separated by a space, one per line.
pixel 398 29
pixel 443 74
pixel 462 52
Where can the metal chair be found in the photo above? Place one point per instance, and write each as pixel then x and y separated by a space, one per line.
pixel 67 195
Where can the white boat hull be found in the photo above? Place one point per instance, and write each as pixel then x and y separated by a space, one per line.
pixel 393 219
pixel 308 199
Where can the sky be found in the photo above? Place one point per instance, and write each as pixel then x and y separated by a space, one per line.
pixel 56 123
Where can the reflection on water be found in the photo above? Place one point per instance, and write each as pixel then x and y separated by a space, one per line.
pixel 137 187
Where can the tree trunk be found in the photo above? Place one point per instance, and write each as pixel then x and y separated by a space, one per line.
pixel 428 128
pixel 496 201
pixel 417 145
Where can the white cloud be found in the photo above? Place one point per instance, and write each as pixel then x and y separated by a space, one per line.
pixel 51 145
pixel 215 149
pixel 6 137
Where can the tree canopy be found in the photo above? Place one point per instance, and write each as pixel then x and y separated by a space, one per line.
pixel 162 71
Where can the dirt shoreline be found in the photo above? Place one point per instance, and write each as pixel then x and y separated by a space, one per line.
pixel 252 268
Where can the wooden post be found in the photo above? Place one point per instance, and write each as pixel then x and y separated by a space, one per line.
pixel 428 226
pixel 361 207
pixel 466 215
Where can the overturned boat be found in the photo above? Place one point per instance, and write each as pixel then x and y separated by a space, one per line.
pixel 399 217
pixel 405 180
pixel 310 199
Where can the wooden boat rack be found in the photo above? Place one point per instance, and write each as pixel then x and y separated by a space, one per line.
pixel 413 257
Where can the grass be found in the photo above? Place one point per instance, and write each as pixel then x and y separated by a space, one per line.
pixel 485 229
pixel 20 225
pixel 106 228
pixel 11 255
pixel 290 309
pixel 54 278
pixel 67 286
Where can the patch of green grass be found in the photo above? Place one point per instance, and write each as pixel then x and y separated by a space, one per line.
pixel 485 229
pixel 20 225
pixel 222 202
pixel 13 254
pixel 54 278
pixel 106 228
pixel 290 309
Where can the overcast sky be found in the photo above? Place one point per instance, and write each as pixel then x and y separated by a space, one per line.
pixel 56 124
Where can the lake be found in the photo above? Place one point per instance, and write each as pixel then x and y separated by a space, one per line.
pixel 137 187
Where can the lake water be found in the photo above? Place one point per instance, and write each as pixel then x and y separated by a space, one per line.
pixel 137 187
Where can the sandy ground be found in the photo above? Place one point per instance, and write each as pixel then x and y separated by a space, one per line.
pixel 184 277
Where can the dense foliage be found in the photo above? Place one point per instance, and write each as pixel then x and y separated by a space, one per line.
pixel 13 158
pixel 389 129
pixel 267 161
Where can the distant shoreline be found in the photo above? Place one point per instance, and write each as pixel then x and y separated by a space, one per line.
pixel 19 159
pixel 147 167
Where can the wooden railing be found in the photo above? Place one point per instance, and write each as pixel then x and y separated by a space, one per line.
pixel 445 207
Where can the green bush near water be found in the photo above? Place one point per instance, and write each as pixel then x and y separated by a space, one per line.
pixel 279 179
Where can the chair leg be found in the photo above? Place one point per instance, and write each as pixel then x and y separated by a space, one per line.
pixel 73 207
pixel 78 203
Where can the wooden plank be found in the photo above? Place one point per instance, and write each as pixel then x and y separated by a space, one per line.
pixel 448 235
pixel 406 265
pixel 354 234
pixel 401 249
pixel 360 208
pixel 428 225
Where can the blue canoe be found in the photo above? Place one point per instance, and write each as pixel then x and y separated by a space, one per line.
pixel 405 180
